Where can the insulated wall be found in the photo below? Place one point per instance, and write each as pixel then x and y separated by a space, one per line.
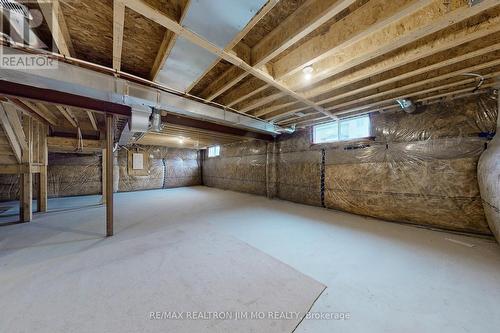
pixel 165 168
pixel 239 167
pixel 416 168
pixel 80 174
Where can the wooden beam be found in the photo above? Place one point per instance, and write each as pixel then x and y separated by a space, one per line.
pixel 407 56
pixel 423 22
pixel 15 122
pixel 57 24
pixel 17 90
pixel 32 110
pixel 248 89
pixel 42 178
pixel 303 21
pixel 109 174
pixel 66 112
pixel 226 81
pixel 307 18
pixel 155 15
pixel 419 84
pixel 261 102
pixel 166 46
pixel 398 87
pixel 26 197
pixel 10 169
pixel 11 136
pixel 418 71
pixel 262 13
pixel 118 27
pixel 103 178
pixel 392 99
pixel 92 119
pixel 61 144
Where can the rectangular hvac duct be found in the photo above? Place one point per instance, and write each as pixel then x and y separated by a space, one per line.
pixel 216 21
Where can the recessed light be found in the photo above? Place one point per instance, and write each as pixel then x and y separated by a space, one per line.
pixel 307 72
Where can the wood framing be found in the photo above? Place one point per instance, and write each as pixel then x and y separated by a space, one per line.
pixel 166 46
pixel 118 27
pixel 109 174
pixel 156 16
pixel 11 135
pixel 54 17
pixel 231 81
pixel 425 20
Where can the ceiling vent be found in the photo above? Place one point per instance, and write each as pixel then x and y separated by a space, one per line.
pixel 407 105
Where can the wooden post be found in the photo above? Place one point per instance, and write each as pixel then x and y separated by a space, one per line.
pixel 103 172
pixel 42 180
pixel 26 184
pixel 109 174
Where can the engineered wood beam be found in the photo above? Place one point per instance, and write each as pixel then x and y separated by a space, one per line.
pixel 118 28
pixel 66 112
pixel 400 86
pixel 166 46
pixel 421 83
pixel 307 18
pixel 391 100
pixel 92 119
pixel 226 81
pixel 11 135
pixel 54 17
pixel 62 144
pixel 303 21
pixel 405 57
pixel 153 14
pixel 263 12
pixel 247 89
pixel 38 111
pixel 420 70
pixel 15 122
pixel 423 22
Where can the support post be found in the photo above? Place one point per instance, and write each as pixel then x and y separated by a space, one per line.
pixel 42 180
pixel 109 174
pixel 26 185
pixel 103 179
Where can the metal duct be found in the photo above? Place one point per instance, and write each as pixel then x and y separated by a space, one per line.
pixel 105 87
pixel 187 61
pixel 407 105
pixel 156 120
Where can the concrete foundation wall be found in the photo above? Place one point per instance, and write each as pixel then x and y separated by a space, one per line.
pixel 419 168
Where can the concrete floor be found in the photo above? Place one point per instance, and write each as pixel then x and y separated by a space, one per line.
pixel 388 277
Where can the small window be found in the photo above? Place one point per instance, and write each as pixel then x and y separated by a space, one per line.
pixel 342 130
pixel 213 151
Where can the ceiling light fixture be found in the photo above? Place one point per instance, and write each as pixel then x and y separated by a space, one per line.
pixel 307 72
pixel 181 140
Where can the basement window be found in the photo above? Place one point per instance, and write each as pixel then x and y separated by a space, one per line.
pixel 342 130
pixel 213 151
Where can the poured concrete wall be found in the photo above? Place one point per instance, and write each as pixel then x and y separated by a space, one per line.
pixel 419 168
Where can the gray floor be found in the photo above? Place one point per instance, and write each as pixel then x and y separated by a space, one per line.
pixel 386 277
